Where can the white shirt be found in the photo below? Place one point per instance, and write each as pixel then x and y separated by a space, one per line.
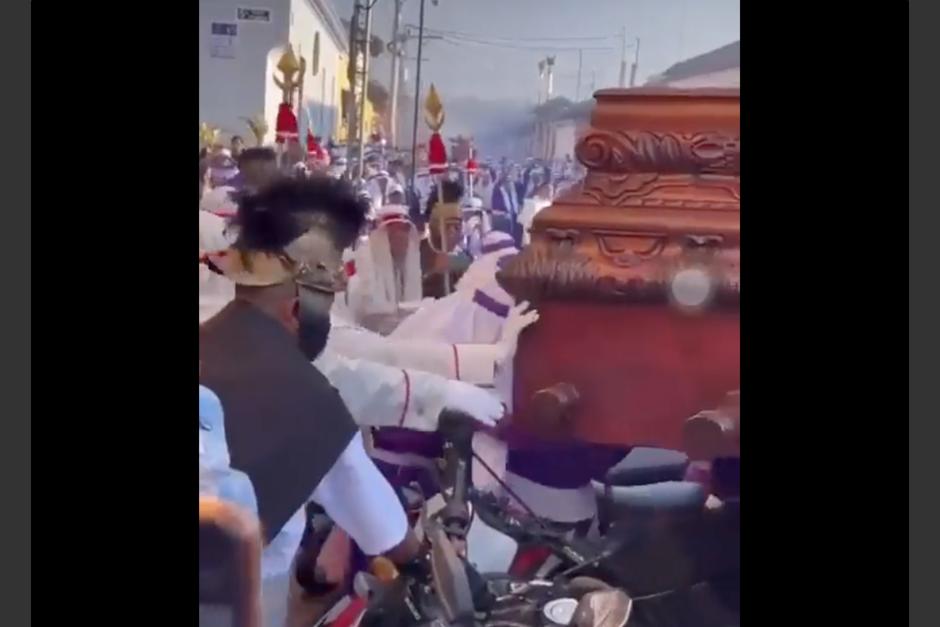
pixel 357 498
pixel 382 286
pixel 472 363
pixel 215 291
pixel 353 492
pixel 378 395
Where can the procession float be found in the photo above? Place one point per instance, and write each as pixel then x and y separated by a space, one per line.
pixel 636 274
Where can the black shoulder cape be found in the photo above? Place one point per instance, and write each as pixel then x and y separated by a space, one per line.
pixel 284 423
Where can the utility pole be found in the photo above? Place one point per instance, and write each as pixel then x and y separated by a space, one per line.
pixel 405 37
pixel 366 55
pixel 396 47
pixel 550 89
pixel 577 91
pixel 414 130
pixel 359 54
pixel 623 57
pixel 636 61
pixel 541 80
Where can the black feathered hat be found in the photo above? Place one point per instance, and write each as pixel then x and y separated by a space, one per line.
pixel 271 219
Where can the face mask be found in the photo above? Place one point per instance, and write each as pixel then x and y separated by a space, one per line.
pixel 313 329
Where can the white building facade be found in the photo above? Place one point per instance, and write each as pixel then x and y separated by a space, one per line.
pixel 722 79
pixel 239 46
pixel 720 68
pixel 557 129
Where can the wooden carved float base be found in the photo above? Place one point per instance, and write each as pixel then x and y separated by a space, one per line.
pixel 640 372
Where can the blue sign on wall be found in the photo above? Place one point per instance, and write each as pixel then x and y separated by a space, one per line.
pixel 225 29
pixel 222 41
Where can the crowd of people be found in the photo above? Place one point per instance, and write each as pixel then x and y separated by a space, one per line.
pixel 340 318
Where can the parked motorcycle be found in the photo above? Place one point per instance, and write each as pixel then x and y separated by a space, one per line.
pixel 443 588
pixel 678 569
pixel 474 572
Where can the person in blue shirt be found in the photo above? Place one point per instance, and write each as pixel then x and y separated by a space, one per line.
pixel 216 475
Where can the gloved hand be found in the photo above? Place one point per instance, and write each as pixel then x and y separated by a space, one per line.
pixel 520 317
pixel 477 403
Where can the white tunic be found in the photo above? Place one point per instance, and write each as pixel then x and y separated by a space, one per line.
pixel 357 498
pixel 378 395
pixel 378 392
pixel 460 317
pixel 380 288
pixel 215 291
pixel 353 492
pixel 476 311
pixel 472 363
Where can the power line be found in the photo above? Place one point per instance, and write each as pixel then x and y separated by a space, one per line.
pixel 500 44
pixel 511 39
pixel 511 42
pixel 464 41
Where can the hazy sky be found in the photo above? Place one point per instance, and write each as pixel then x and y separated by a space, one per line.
pixel 669 31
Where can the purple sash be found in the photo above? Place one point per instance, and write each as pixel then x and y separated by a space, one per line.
pixel 561 465
pixel 397 440
pixel 490 304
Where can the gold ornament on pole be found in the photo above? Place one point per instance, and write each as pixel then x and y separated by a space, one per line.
pixel 208 135
pixel 289 67
pixel 259 127
pixel 443 213
pixel 434 110
pixel 286 124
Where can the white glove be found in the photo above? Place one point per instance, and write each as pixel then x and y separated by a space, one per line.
pixel 517 320
pixel 475 402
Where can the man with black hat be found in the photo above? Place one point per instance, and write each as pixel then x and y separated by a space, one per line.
pixel 286 427
pixel 376 394
pixel 379 391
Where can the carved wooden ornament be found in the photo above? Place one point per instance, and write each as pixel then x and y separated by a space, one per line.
pixel 636 274
pixel 662 194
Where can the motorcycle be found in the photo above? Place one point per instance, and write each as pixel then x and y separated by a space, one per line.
pixel 444 587
pixel 477 567
pixel 675 570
